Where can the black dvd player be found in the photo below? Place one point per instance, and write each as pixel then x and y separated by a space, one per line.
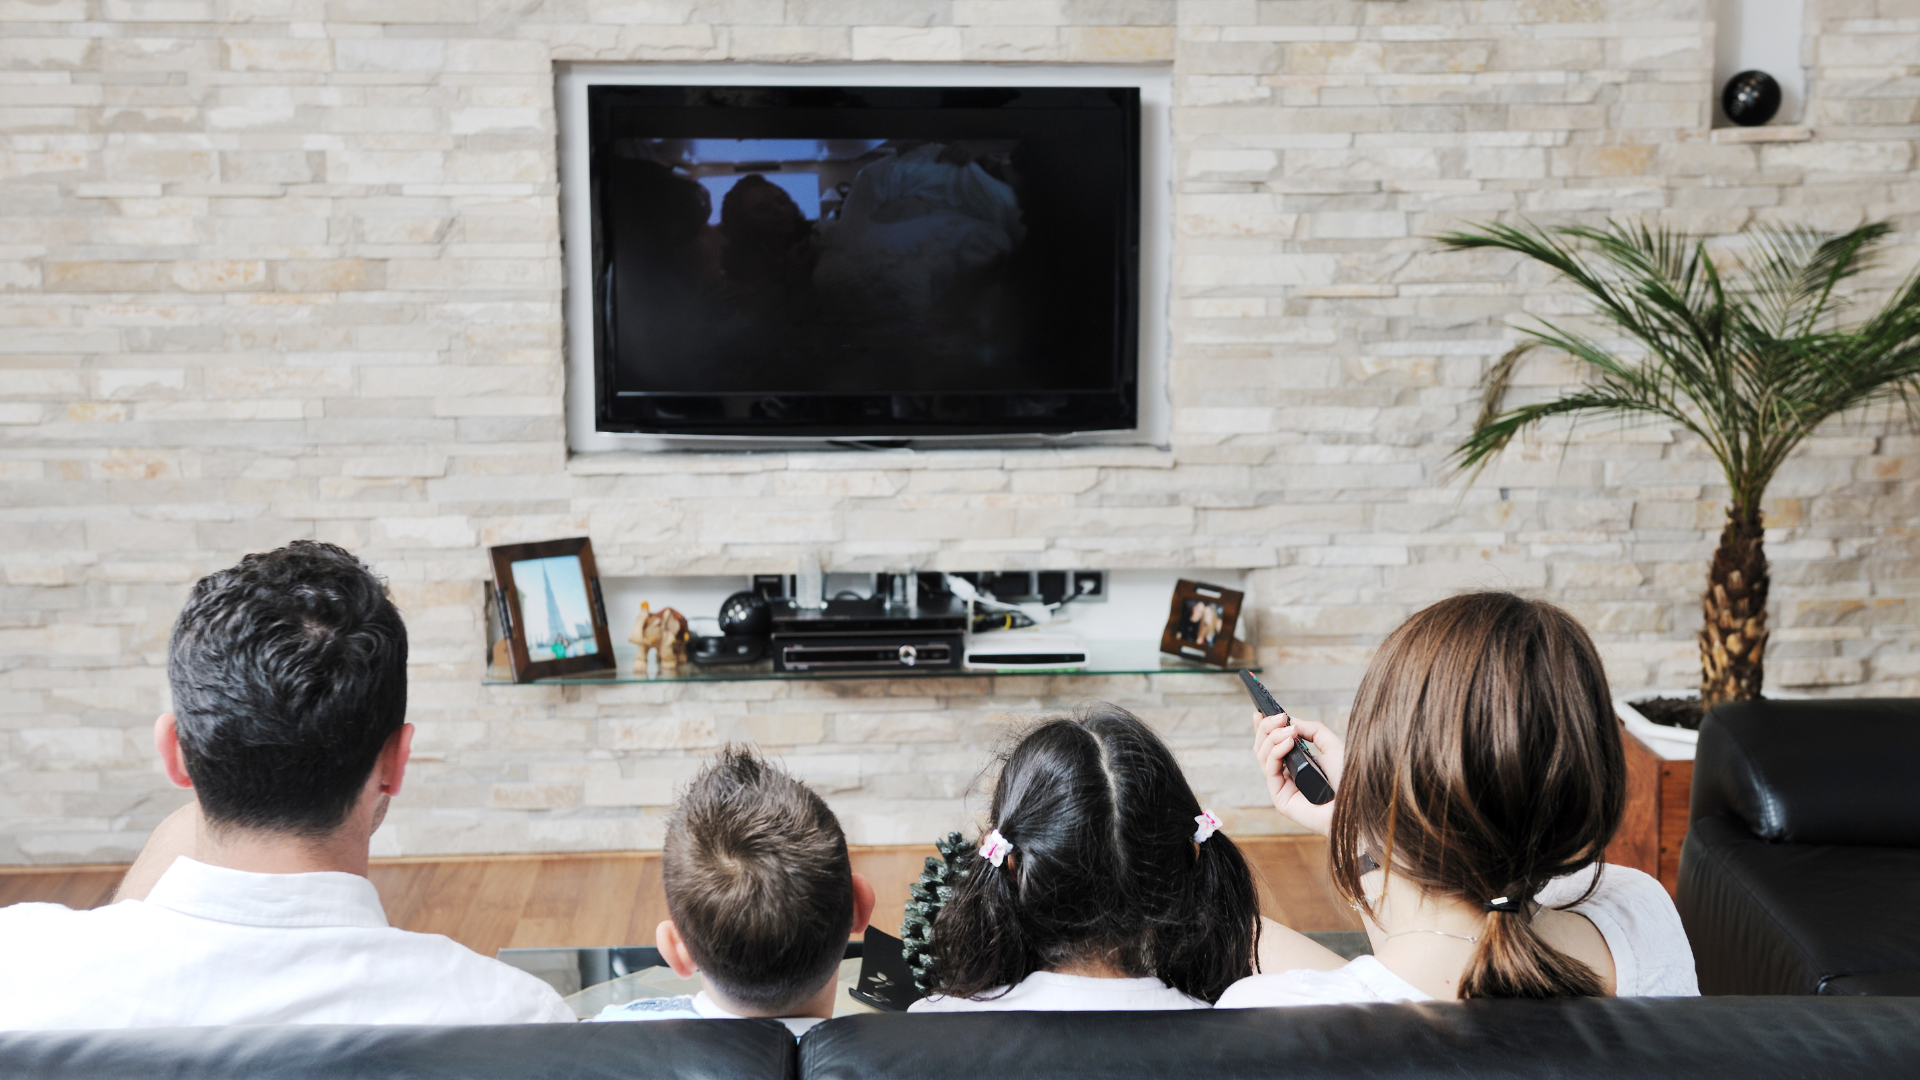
pixel 942 612
pixel 868 636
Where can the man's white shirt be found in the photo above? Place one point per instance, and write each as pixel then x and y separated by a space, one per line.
pixel 212 946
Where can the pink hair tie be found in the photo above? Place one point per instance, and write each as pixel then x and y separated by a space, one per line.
pixel 1208 825
pixel 994 848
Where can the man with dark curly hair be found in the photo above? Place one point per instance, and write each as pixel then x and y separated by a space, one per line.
pixel 251 905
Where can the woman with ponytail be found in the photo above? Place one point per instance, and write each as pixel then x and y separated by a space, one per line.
pixel 1474 802
pixel 1100 884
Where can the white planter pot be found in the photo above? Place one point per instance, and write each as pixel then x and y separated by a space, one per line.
pixel 1671 743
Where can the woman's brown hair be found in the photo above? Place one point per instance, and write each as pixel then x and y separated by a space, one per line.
pixel 1482 761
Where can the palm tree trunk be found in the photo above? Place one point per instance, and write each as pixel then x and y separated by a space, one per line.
pixel 1733 639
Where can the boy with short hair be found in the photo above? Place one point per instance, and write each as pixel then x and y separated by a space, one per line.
pixel 762 898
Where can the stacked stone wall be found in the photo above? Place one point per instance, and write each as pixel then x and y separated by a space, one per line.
pixel 273 269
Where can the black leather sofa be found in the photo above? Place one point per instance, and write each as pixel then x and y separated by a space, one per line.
pixel 1644 1038
pixel 1801 868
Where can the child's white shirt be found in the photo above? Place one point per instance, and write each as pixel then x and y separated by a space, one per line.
pixel 1632 911
pixel 1049 991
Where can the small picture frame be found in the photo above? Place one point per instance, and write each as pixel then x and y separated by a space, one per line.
pixel 1201 621
pixel 551 609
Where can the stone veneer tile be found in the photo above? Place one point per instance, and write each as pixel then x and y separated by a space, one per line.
pixel 296 274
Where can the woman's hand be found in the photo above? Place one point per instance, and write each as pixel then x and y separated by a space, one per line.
pixel 1273 737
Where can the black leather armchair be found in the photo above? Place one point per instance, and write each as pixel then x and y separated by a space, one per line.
pixel 1801 868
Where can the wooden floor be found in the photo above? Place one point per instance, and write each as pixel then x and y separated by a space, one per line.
pixel 492 902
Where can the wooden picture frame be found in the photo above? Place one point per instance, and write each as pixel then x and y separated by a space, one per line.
pixel 569 582
pixel 1201 621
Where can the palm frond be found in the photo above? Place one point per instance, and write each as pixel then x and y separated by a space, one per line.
pixel 1794 272
pixel 1750 363
pixel 1488 440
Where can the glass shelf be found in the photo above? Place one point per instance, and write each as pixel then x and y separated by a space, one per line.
pixel 1107 658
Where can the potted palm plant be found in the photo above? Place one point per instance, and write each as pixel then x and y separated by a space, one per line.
pixel 1750 359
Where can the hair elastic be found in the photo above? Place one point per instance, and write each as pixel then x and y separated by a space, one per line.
pixel 1206 824
pixel 994 848
pixel 1503 904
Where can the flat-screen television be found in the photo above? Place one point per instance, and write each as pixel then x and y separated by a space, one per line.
pixel 865 262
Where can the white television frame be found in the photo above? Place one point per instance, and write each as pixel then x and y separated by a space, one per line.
pixel 1155 83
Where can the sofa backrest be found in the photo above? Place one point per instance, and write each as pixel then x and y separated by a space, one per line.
pixel 1813 772
pixel 654 1050
pixel 1601 1039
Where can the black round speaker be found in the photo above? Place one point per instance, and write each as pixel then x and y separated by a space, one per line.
pixel 1750 98
pixel 746 614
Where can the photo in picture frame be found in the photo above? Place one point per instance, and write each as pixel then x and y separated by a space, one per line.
pixel 551 608
pixel 1201 622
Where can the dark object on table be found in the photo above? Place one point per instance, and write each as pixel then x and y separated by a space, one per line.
pixel 728 649
pixel 1801 870
pixel 865 636
pixel 927 896
pixel 745 614
pixel 1201 621
pixel 551 610
pixel 1750 98
pixel 885 983
pixel 868 654
pixel 1677 712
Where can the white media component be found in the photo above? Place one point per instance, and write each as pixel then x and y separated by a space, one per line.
pixel 1026 650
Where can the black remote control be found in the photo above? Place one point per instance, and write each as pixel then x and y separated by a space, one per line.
pixel 1306 771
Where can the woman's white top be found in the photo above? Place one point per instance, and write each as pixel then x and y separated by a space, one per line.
pixel 1651 956
pixel 1048 991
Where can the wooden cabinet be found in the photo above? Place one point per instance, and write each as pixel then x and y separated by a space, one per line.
pixel 1655 822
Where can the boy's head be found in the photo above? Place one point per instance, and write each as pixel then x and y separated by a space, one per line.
pixel 758 883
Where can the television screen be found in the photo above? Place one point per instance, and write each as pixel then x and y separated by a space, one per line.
pixel 865 261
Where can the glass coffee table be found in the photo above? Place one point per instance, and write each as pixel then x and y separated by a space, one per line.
pixel 591 979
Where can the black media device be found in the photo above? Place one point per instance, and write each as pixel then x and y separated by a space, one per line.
pixel 728 649
pixel 865 261
pixel 886 983
pixel 857 636
pixel 1306 772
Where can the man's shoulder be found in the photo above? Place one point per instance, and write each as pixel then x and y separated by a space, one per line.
pixel 440 966
pixel 44 918
pixel 30 912
pixel 30 928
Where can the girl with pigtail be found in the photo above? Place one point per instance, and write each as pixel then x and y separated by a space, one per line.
pixel 1101 884
pixel 1483 779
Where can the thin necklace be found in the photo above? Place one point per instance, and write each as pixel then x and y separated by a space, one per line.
pixel 1442 933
